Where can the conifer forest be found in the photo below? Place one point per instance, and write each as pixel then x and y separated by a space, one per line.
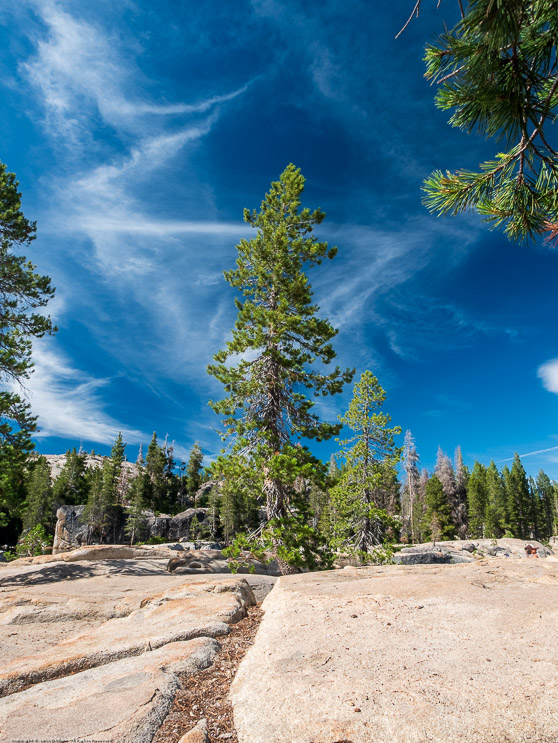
pixel 269 488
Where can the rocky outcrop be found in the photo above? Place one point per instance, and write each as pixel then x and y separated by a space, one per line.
pixel 175 615
pixel 92 461
pixel 71 530
pixel 441 653
pixel 430 557
pixel 213 561
pixel 173 528
pixel 459 551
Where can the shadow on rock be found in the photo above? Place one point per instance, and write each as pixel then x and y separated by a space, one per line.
pixel 133 567
pixel 51 574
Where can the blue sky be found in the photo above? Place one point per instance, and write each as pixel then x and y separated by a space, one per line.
pixel 139 131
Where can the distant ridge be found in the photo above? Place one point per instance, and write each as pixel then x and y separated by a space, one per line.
pixel 92 461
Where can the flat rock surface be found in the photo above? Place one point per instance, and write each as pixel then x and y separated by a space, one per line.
pixel 123 702
pixel 43 605
pixel 187 608
pixel 93 651
pixel 446 654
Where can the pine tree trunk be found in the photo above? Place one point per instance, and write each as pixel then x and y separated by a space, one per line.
pixel 275 497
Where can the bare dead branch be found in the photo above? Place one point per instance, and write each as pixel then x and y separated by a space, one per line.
pixel 416 10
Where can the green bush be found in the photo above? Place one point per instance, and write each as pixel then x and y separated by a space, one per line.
pixel 33 542
pixel 154 540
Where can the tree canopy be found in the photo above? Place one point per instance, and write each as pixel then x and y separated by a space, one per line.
pixel 370 455
pixel 22 292
pixel 269 366
pixel 497 72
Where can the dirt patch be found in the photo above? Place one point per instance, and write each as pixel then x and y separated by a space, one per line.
pixel 207 694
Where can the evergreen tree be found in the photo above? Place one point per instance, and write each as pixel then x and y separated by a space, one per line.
pixel 194 528
pixel 326 513
pixel 135 521
pixel 93 513
pixel 13 462
pixel 318 499
pixel 38 508
pixel 496 69
pixel 518 500
pixel 22 292
pixel 387 494
pixel 71 485
pixel 193 471
pixel 172 480
pixel 241 488
pixel 112 470
pixel 108 502
pixel 155 462
pixel 370 453
pixel 461 479
pixel 437 522
pixel 548 502
pixel 419 511
pixel 213 505
pixel 445 474
pixel 410 490
pixel 477 500
pixel 276 339
pixel 536 511
pixel 496 520
pixel 117 451
pixel 164 484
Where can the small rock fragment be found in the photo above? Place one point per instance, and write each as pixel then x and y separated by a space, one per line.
pixel 197 734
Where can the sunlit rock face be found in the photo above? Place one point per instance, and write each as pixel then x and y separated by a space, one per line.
pixel 71 530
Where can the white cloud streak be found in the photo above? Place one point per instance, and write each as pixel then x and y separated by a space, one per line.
pixel 68 401
pixel 78 67
pixel 530 454
pixel 140 257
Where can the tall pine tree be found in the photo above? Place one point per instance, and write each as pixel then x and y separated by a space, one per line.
pixel 547 495
pixel 71 486
pixel 38 501
pixel 445 474
pixel 461 479
pixel 23 293
pixel 277 340
pixel 370 454
pixel 437 522
pixel 193 471
pixel 478 500
pixel 496 521
pixel 518 499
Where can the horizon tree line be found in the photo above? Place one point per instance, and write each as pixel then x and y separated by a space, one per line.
pixel 455 502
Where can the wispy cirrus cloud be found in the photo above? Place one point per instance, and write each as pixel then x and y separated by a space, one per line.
pixel 69 401
pixel 78 67
pixel 133 254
